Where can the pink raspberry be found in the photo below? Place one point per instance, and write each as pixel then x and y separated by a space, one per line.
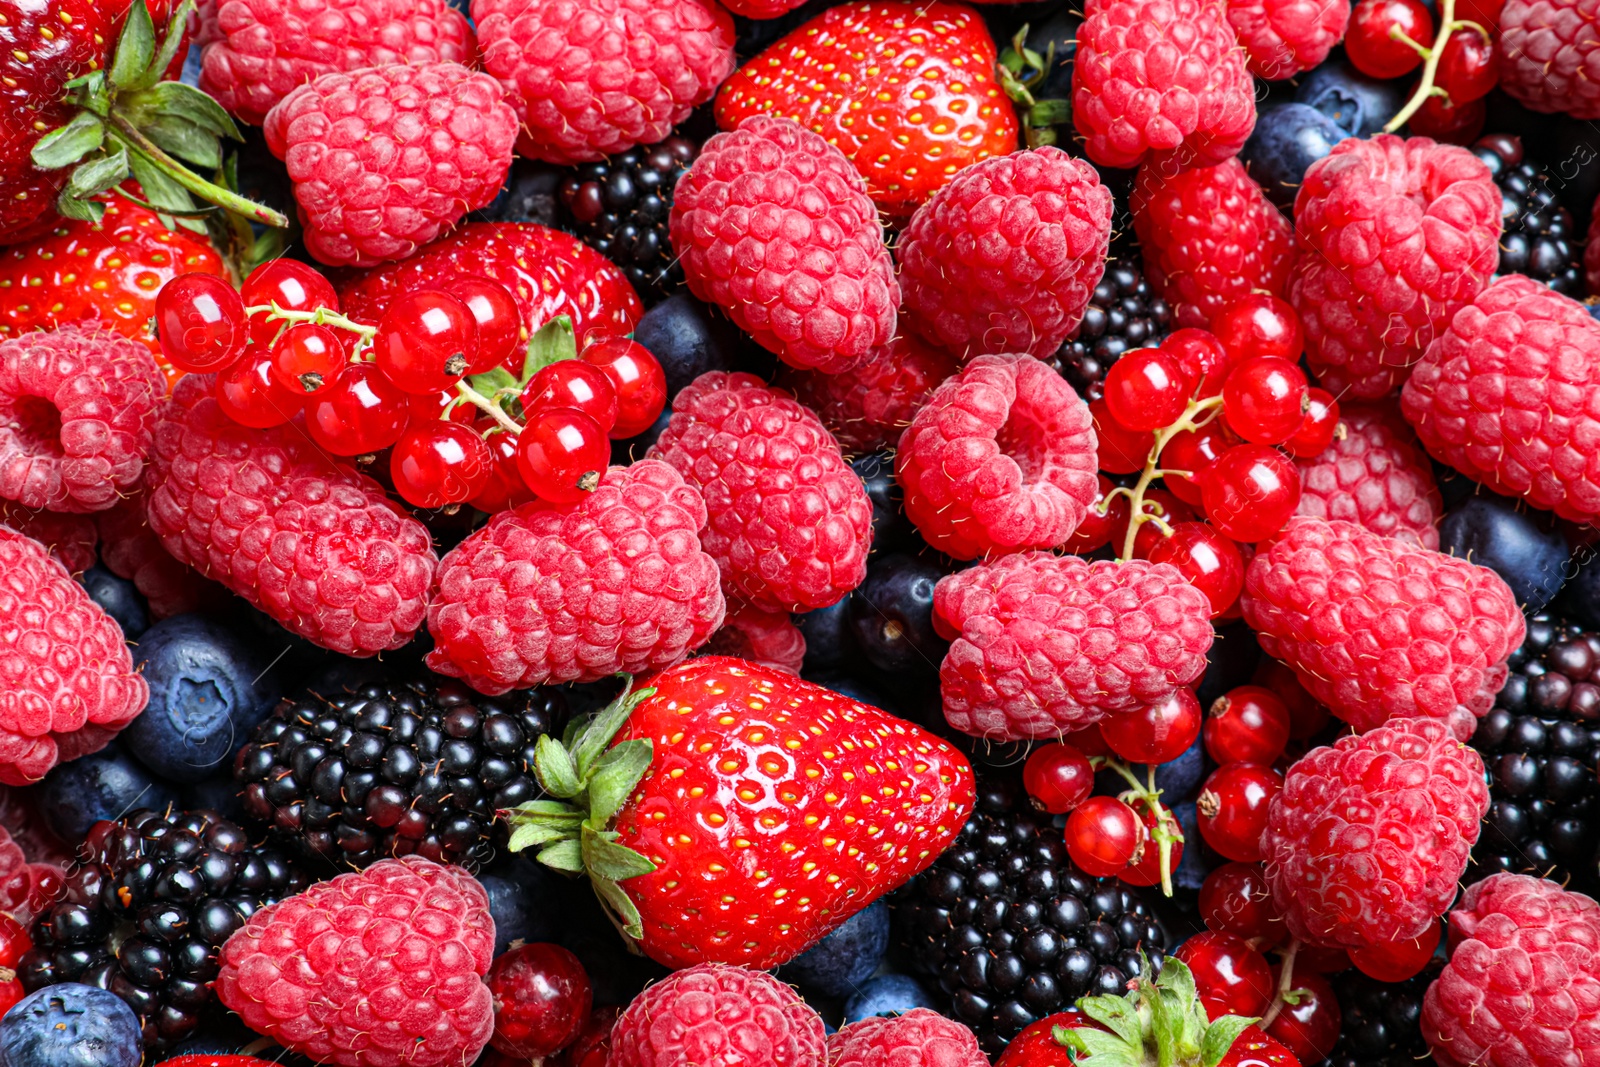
pixel 1162 78
pixel 26 889
pixel 1379 629
pixel 716 1015
pixel 1285 37
pixel 790 523
pixel 592 78
pixel 19 814
pixel 1395 235
pixel 1522 987
pixel 70 539
pixel 257 51
pixel 1045 644
pixel 67 683
pixel 1369 836
pixel 615 583
pixel 1509 395
pixel 378 968
pixel 1006 256
pixel 1001 458
pixel 769 638
pixel 313 543
pixel 1375 476
pixel 1550 55
pixel 77 407
pixel 129 549
pixel 1209 236
pixel 919 1036
pixel 385 159
pixel 762 9
pixel 774 226
pixel 867 408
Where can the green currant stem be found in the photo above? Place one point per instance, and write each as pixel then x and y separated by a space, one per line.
pixel 1285 976
pixel 1167 831
pixel 216 194
pixel 483 403
pixel 1430 66
pixel 319 316
pixel 1196 415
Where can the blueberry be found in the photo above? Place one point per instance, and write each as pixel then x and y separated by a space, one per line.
pixel 1358 104
pixel 529 195
pixel 890 527
pixel 631 449
pixel 840 962
pixel 887 994
pixel 892 614
pixel 118 598
pixel 1180 779
pixel 688 339
pixel 105 785
pixel 1230 661
pixel 830 640
pixel 218 793
pixel 70 1025
pixel 1198 859
pixel 520 893
pixel 1581 596
pixel 851 685
pixel 1288 138
pixel 208 688
pixel 1523 546
pixel 1594 310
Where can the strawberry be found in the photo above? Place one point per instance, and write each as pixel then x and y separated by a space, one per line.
pixel 208 1060
pixel 742 813
pixel 907 125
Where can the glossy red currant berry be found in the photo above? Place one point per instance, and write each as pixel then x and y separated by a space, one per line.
pixel 200 323
pixel 1449 123
pixel 1104 835
pixel 1395 961
pixel 1206 559
pixel 1309 1026
pixel 250 395
pixel 1371 42
pixel 1264 399
pixel 1260 324
pixel 1233 806
pixel 499 322
pixel 1250 492
pixel 290 284
pixel 542 998
pixel 1204 361
pixel 1193 451
pixel 1468 68
pixel 1097 529
pixel 14 941
pixel 1147 389
pixel 1234 899
pixel 640 382
pixel 1146 870
pixel 437 463
pixel 307 358
pixel 572 383
pixel 1121 450
pixel 360 413
pixel 562 453
pixel 591 1047
pixel 1087 740
pixel 424 407
pixel 505 488
pixel 1057 777
pixel 1247 724
pixel 1162 505
pixel 425 341
pixel 1154 733
pixel 1319 427
pixel 1231 977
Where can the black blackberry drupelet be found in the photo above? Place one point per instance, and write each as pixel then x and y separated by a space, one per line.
pixel 1381 1021
pixel 620 207
pixel 146 911
pixel 1011 930
pixel 1124 314
pixel 388 770
pixel 1539 238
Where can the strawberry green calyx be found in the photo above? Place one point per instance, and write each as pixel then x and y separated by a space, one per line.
pixel 1022 73
pixel 1159 1023
pixel 495 392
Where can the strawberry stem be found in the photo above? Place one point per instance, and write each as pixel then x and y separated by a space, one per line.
pixel 141 145
pixel 1430 65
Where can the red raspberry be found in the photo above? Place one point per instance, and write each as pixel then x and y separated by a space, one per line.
pixel 1522 987
pixel 70 539
pixel 67 683
pixel 1395 235
pixel 1282 38
pixel 19 814
pixel 1001 458
pixel 385 159
pixel 869 407
pixel 1379 629
pixel 769 638
pixel 25 888
pixel 77 406
pixel 1209 236
pixel 313 543
pixel 380 968
pixel 1507 396
pixel 129 549
pixel 790 522
pixel 1162 77
pixel 1366 841
pixel 715 1014
pixel 919 1036
pixel 1375 476
pixel 256 51
pixel 1006 256
pixel 774 226
pixel 574 594
pixel 1550 55
pixel 1045 644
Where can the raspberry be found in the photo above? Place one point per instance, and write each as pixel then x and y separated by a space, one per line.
pixel 1522 987
pixel 774 226
pixel 1046 644
pixel 1378 629
pixel 19 814
pixel 26 888
pixel 573 594
pixel 386 159
pixel 257 51
pixel 1395 235
pixel 313 543
pixel 380 968
pixel 70 539
pixel 718 1016
pixel 1366 841
pixel 790 523
pixel 1374 476
pixel 919 1036
pixel 592 78
pixel 867 408
pixel 1282 38
pixel 1550 55
pixel 1161 77
pixel 1006 256
pixel 1209 236
pixel 769 638
pixel 130 550
pixel 67 683
pixel 1001 458
pixel 77 406
pixel 1507 396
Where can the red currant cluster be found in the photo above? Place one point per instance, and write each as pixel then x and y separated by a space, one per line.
pixel 442 379
pixel 1388 39
pixel 14 944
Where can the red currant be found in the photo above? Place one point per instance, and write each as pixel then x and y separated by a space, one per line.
pixel 1146 870
pixel 1397 960
pixel 542 998
pixel 200 322
pixel 437 463
pixel 505 488
pixel 1193 451
pixel 1370 42
pixel 1306 716
pixel 307 357
pixel 1483 12
pixel 1468 68
pixel 425 341
pixel 1234 899
pixel 1318 428
pixel 1154 733
pixel 1232 978
pixel 291 285
pixel 1204 361
pixel 1310 1025
pixel 1321 959
pixel 1087 740
pixel 1122 451
pixel 250 395
pixel 499 321
pixel 1247 724
pixel 1146 389
pixel 1057 777
pixel 561 453
pixel 592 1046
pixel 1264 399
pixel 1164 506
pixel 1260 324
pixel 1250 492
pixel 1097 529
pixel 640 382
pixel 424 407
pixel 11 990
pixel 360 413
pixel 1206 559
pixel 1449 123
pixel 1104 835
pixel 572 383
pixel 14 941
pixel 1233 808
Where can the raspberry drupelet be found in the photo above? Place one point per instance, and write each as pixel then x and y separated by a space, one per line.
pixel 713 1013
pixel 918 1036
pixel 868 408
pixel 1549 55
pixel 1375 475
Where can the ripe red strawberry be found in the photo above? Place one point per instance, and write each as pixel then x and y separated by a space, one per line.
pixel 745 813
pixel 933 110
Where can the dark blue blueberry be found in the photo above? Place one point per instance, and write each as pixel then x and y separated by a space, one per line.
pixel 1177 779
pixel 1580 597
pixel 890 527
pixel 70 1025
pixel 838 964
pixel 218 793
pixel 1358 104
pixel 118 598
pixel 1454 487
pixel 1198 859
pixel 520 896
pixel 1288 138
pixel 1522 545
pixel 1594 310
pixel 852 685
pixel 887 994
pixel 208 688
pixel 106 785
pixel 892 614
pixel 529 195
pixel 688 339
pixel 830 640
pixel 1230 661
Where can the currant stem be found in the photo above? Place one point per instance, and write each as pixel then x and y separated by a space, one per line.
pixel 1152 470
pixel 1285 977
pixel 1167 831
pixel 1430 66
pixel 483 403
pixel 320 317
pixel 209 191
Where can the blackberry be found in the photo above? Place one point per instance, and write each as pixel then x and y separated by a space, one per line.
pixel 1538 238
pixel 620 206
pixel 1541 746
pixel 396 768
pixel 1381 1021
pixel 1124 314
pixel 146 910
pixel 1010 929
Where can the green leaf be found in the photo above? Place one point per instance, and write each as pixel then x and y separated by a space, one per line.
pixel 554 768
pixel 575 728
pixel 623 911
pixel 1178 978
pixel 1220 1036
pixel 1067 1037
pixel 563 856
pixel 135 48
pixel 596 738
pixel 1050 112
pixel 82 210
pixel 1109 1050
pixel 533 836
pixel 604 859
pixel 615 775
pixel 180 139
pixel 538 822
pixel 171 41
pixel 492 381
pixel 96 175
pixel 550 343
pixel 175 100
pixel 65 145
pixel 1117 1014
pixel 162 191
